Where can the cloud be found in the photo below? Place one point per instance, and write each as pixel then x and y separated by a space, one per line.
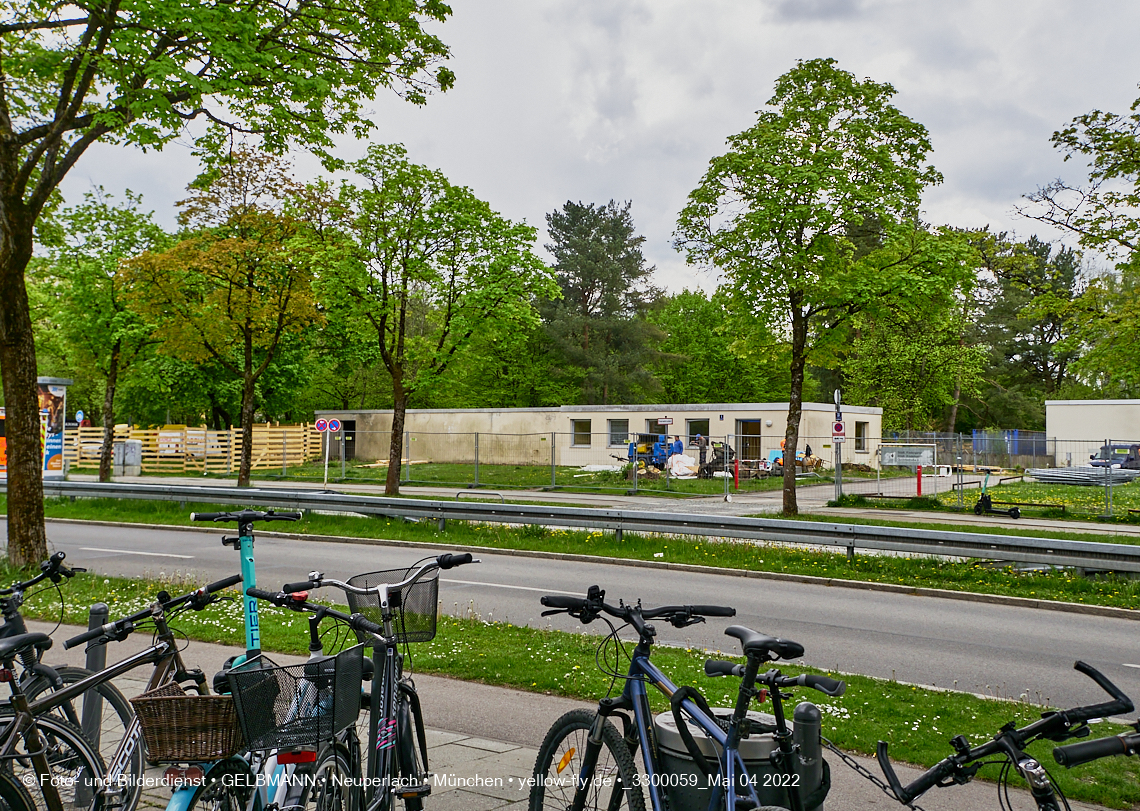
pixel 814 10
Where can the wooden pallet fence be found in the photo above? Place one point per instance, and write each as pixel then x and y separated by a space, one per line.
pixel 183 449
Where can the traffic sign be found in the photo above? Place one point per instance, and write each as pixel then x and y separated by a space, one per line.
pixel 665 421
pixel 838 432
pixel 334 425
pixel 322 425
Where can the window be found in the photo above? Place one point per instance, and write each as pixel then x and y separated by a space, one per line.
pixel 656 428
pixel 619 433
pixel 694 427
pixel 861 436
pixel 581 438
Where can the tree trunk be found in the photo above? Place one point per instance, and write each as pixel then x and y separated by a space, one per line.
pixel 246 431
pixel 795 406
pixel 27 539
pixel 396 445
pixel 109 414
pixel 952 420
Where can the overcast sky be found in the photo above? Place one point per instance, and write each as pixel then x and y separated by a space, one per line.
pixel 592 100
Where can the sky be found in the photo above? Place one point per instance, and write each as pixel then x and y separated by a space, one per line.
pixel 593 100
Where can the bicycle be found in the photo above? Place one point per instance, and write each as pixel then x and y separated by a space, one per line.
pixel 404 604
pixel 1075 754
pixel 1008 747
pixel 105 713
pixel 578 740
pixel 55 754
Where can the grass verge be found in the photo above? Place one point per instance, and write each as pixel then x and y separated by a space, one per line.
pixel 917 722
pixel 914 572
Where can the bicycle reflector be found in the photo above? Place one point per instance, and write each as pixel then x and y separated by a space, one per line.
pixel 176 775
pixel 297 756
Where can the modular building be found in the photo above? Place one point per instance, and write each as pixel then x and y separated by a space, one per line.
pixel 596 434
pixel 1078 428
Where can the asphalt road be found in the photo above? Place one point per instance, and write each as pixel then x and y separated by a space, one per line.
pixel 977 647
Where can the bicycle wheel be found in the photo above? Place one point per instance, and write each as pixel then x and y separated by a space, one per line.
pixel 74 764
pixel 613 784
pixel 227 787
pixel 13 796
pixel 116 717
pixel 335 782
pixel 411 770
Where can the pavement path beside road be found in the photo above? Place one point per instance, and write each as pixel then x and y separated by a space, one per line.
pixel 476 730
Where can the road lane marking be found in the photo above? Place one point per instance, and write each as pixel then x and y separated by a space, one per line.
pixel 129 552
pixel 505 586
pixel 1135 666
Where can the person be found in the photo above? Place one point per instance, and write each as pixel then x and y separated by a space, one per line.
pixel 678 447
pixel 702 447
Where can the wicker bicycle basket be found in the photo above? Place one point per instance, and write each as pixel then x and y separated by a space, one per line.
pixel 414 607
pixel 180 727
pixel 280 707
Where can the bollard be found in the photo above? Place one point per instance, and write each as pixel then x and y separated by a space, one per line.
pixel 918 475
pixel 807 723
pixel 92 714
pixel 736 474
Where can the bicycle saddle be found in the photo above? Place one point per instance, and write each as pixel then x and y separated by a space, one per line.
pixel 14 644
pixel 756 644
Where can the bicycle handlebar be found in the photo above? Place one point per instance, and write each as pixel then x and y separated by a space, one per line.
pixel 295 602
pixel 718 667
pixel 1054 725
pixel 587 608
pixel 51 568
pixel 198 599
pixel 1074 754
pixel 246 516
pixel 828 686
pixel 317 580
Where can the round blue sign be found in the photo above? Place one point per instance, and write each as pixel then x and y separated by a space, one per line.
pixel 334 425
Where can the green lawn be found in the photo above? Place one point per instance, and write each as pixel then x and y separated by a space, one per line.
pixel 917 722
pixel 914 572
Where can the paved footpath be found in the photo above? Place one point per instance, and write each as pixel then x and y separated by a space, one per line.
pixel 476 730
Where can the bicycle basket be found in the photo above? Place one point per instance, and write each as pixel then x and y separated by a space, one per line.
pixel 178 727
pixel 280 707
pixel 413 607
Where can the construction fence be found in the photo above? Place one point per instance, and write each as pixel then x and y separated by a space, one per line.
pixel 182 449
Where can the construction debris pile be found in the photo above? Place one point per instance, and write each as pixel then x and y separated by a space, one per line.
pixel 1086 476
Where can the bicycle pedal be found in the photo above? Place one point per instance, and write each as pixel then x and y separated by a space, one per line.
pixel 410 792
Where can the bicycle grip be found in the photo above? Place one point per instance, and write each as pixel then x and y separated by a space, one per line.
pixel 224 583
pixel 713 610
pixel 717 667
pixel 1074 754
pixel 563 601
pixel 262 594
pixel 87 636
pixel 207 516
pixel 449 561
pixel 276 516
pixel 831 687
pixel 304 585
pixel 361 623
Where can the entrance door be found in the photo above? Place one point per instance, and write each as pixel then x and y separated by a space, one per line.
pixel 349 428
pixel 748 440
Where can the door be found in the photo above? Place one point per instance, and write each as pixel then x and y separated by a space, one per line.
pixel 748 440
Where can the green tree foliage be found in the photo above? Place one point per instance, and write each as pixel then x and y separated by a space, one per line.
pixel 294 71
pixel 782 214
pixel 713 357
pixel 236 286
pixel 599 326
pixel 1102 213
pixel 103 334
pixel 431 268
pixel 1022 319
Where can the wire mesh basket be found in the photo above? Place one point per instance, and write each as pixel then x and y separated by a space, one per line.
pixel 179 727
pixel 414 607
pixel 281 707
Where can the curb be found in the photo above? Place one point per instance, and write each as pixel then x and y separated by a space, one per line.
pixel 894 588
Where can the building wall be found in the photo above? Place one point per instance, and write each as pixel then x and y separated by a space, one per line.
pixel 524 436
pixel 1079 427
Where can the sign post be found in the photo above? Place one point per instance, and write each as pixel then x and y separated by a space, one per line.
pixel 838 437
pixel 322 425
pixel 334 427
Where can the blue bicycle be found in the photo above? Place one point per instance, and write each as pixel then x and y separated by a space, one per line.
pixel 586 763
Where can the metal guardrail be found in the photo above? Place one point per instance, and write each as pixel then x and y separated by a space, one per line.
pixel 1084 554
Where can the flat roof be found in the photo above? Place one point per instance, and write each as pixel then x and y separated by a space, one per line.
pixel 662 409
pixel 1092 402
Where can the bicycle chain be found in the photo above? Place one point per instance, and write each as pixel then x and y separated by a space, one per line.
pixel 858 769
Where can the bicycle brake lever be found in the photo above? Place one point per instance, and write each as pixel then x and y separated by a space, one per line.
pixel 552 612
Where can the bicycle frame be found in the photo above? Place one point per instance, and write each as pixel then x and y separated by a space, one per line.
pixel 636 696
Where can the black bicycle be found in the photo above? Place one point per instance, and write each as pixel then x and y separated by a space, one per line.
pixel 1008 749
pixel 1075 754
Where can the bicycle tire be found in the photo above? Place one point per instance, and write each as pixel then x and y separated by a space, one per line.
pixel 74 764
pixel 13 796
pixel 116 718
pixel 227 787
pixel 561 753
pixel 335 782
pixel 409 768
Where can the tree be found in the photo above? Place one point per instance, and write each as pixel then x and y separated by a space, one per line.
pixel 235 288
pixel 296 71
pixel 430 268
pixel 714 357
pixel 599 324
pixel 810 216
pixel 105 335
